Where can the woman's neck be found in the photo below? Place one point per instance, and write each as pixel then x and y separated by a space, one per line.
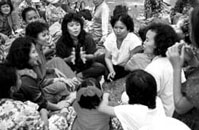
pixel 121 39
pixel 75 40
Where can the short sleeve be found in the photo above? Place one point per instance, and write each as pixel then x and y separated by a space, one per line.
pixel 131 116
pixel 136 42
pixel 109 42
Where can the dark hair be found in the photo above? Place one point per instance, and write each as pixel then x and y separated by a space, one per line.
pixel 194 24
pixel 125 19
pixel 65 34
pixel 8 78
pixel 86 14
pixel 34 28
pixel 25 11
pixel 3 2
pixel 141 88
pixel 164 38
pixel 89 102
pixel 19 52
pixel 142 32
pixel 120 9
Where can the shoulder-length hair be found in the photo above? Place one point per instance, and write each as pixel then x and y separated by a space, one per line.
pixel 65 34
pixel 164 38
pixel 19 53
pixel 141 88
pixel 3 2
pixel 126 19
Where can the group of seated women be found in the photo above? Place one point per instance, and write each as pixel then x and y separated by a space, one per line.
pixel 152 67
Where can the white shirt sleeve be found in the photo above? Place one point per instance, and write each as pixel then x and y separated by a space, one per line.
pixel 136 42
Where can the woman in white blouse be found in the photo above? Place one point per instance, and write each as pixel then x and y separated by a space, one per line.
pixel 120 45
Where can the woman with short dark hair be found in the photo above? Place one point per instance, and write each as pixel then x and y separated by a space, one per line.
pixel 120 45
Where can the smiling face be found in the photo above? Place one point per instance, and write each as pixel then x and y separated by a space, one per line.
pixel 74 28
pixel 120 30
pixel 34 57
pixel 43 38
pixel 5 9
pixel 149 43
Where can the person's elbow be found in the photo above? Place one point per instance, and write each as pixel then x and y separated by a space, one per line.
pixel 182 108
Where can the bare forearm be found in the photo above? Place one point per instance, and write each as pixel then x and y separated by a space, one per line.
pixel 182 105
pixel 109 64
pixel 105 108
pixel 44 116
pixel 53 107
pixel 90 56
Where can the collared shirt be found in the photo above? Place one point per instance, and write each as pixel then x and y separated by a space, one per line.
pixel 122 55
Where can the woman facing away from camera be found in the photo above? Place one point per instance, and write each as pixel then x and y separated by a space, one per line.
pixel 89 96
pixel 143 110
pixel 77 48
pixel 142 106
pixel 186 94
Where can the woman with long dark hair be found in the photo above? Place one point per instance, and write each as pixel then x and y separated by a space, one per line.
pixel 77 48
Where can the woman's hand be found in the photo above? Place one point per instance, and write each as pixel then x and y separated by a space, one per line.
pixel 58 73
pixel 69 82
pixel 175 54
pixel 106 97
pixel 63 104
pixel 83 55
pixel 71 58
pixel 111 75
pixel 102 40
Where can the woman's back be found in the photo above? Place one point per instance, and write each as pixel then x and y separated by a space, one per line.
pixel 90 119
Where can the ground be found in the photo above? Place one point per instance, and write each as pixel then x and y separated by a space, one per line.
pixel 135 10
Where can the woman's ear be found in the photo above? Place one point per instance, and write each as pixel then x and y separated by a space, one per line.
pixel 13 89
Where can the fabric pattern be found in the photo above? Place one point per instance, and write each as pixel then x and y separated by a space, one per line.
pixel 16 115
